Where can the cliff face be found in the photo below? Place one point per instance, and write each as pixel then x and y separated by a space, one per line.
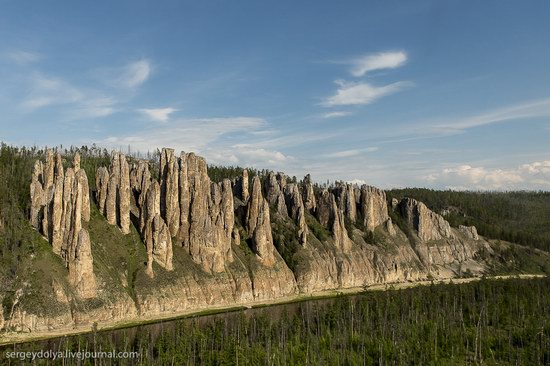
pixel 208 243
pixel 60 202
pixel 113 192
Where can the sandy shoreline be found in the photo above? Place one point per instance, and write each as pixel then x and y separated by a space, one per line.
pixel 11 338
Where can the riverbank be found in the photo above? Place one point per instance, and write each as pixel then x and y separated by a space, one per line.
pixel 12 338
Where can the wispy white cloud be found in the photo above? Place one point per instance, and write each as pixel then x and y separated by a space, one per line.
pixel 534 175
pixel 46 91
pixel 210 137
pixel 337 114
pixel 195 134
pixel 158 114
pixel 378 61
pixel 134 74
pixel 361 93
pixel 21 57
pixel 79 101
pixel 444 127
pixel 352 152
pixel 530 109
pixel 76 103
pixel 93 108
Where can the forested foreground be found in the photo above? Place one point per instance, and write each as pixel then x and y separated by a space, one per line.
pixel 492 322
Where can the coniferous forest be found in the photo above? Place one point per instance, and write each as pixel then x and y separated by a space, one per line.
pixel 490 322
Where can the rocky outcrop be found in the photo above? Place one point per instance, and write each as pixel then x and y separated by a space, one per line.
pixel 38 195
pixel 374 207
pixel 296 210
pixel 324 207
pixel 332 217
pixel 60 202
pixel 159 244
pixel 389 228
pixel 206 214
pixel 345 200
pixel 169 190
pixel 274 188
pixel 469 231
pixel 339 232
pixel 113 192
pixel 428 224
pixel 155 232
pixel 350 203
pixel 101 183
pixel 140 179
pixel 310 203
pixel 81 268
pixel 240 187
pixel 259 225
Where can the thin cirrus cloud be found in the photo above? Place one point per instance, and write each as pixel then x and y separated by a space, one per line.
pixel 79 101
pixel 378 61
pixel 73 102
pixel 46 90
pixel 529 109
pixel 21 57
pixel 195 134
pixel 157 114
pixel 361 93
pixel 337 114
pixel 350 153
pixel 134 74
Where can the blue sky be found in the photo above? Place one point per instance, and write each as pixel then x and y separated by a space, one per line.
pixel 442 94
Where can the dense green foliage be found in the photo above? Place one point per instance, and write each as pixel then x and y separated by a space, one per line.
pixel 494 322
pixel 518 217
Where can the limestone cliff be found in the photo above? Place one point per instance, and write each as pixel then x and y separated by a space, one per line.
pixel 113 191
pixel 428 224
pixel 374 207
pixel 200 243
pixel 259 225
pixel 60 202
